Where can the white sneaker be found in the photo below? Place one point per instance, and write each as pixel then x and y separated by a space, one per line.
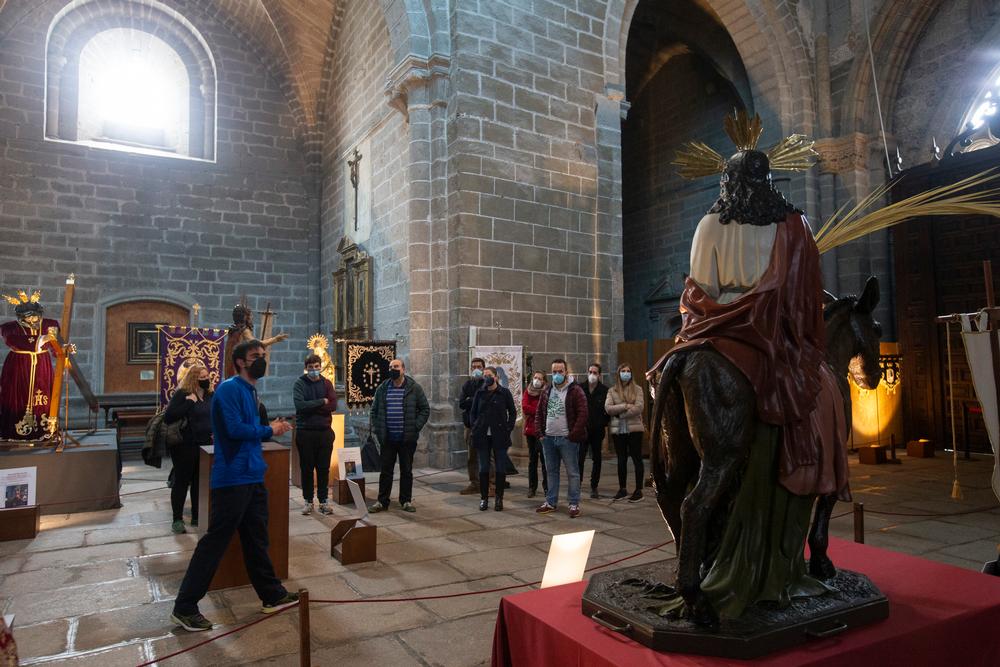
pixel 308 509
pixel 325 509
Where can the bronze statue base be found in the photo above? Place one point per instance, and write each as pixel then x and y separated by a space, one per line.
pixel 762 629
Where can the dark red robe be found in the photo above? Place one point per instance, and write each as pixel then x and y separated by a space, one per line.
pixel 15 379
pixel 776 336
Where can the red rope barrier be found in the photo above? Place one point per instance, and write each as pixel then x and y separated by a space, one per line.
pixel 219 636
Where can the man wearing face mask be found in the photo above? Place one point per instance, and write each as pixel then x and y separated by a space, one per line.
pixel 469 389
pixel 398 414
pixel 597 424
pixel 315 402
pixel 561 423
pixel 239 498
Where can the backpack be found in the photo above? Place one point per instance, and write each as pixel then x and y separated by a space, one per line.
pixel 161 438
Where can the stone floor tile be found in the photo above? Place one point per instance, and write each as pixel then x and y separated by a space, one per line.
pixel 49 579
pixel 169 544
pixel 497 561
pixel 44 606
pixel 335 624
pixel 431 548
pixel 128 534
pixel 941 531
pixel 500 538
pixel 276 636
pixel 147 621
pixel 82 555
pixel 979 551
pixel 433 528
pixel 457 607
pixel 125 656
pixel 385 579
pixel 11 564
pixel 459 643
pixel 40 639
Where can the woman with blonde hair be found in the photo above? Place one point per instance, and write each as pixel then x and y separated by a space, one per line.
pixel 625 406
pixel 192 401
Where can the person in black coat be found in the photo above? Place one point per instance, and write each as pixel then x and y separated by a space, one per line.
pixel 192 400
pixel 597 424
pixel 493 417
pixel 468 394
pixel 315 402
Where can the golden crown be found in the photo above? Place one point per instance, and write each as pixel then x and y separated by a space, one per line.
pixel 793 153
pixel 22 297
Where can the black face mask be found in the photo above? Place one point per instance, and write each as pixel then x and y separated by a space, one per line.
pixel 394 373
pixel 489 381
pixel 258 368
pixel 204 384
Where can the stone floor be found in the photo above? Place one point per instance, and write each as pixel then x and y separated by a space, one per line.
pixel 96 588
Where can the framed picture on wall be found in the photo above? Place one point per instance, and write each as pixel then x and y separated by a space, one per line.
pixel 142 342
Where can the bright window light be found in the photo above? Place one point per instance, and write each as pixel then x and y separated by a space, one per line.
pixel 134 90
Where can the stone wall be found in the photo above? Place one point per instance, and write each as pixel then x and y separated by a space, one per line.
pixel 245 224
pixel 356 111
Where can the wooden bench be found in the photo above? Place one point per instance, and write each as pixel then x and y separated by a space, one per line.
pixel 130 424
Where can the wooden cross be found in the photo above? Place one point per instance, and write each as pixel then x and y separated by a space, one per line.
pixel 266 324
pixel 353 164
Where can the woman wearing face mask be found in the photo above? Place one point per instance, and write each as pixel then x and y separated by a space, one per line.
pixel 192 400
pixel 529 405
pixel 493 419
pixel 625 405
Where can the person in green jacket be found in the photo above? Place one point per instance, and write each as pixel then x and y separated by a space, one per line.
pixel 398 414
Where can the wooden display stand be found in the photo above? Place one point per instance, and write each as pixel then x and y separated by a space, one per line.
pixel 353 541
pixel 19 523
pixel 871 455
pixel 920 449
pixel 231 570
pixel 340 493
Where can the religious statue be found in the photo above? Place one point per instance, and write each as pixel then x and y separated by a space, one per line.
pixel 26 379
pixel 319 345
pixel 242 330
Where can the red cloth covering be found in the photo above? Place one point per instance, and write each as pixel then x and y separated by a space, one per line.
pixel 15 379
pixel 939 615
pixel 776 336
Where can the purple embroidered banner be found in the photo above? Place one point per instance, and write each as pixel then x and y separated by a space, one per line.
pixel 178 347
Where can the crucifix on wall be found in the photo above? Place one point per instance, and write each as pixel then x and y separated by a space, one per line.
pixel 354 163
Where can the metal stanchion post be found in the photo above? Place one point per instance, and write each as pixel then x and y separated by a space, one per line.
pixel 859 523
pixel 305 650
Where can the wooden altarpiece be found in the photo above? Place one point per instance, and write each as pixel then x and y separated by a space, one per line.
pixel 353 303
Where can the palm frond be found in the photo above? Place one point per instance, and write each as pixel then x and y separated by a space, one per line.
pixel 695 160
pixel 793 153
pixel 953 199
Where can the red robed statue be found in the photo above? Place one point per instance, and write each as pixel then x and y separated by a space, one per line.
pixel 26 378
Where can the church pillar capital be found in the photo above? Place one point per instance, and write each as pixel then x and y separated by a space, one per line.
pixel 838 155
pixel 417 81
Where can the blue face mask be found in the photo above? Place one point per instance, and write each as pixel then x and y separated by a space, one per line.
pixel 626 376
pixel 558 378
pixel 477 373
pixel 313 373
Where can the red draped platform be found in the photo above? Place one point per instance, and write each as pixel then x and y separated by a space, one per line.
pixel 939 616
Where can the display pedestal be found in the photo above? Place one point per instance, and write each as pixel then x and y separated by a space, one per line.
pixel 872 455
pixel 939 615
pixel 77 479
pixel 353 541
pixel 231 571
pixel 19 523
pixel 340 492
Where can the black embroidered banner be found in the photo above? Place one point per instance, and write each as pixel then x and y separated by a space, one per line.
pixel 367 368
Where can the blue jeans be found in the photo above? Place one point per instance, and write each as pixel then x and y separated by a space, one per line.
pixel 561 450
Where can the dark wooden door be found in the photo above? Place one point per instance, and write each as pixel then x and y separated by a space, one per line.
pixel 938 270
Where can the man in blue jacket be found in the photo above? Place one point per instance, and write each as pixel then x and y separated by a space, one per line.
pixel 239 498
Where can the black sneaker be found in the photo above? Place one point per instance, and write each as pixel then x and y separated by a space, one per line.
pixel 193 623
pixel 594 493
pixel 622 493
pixel 289 600
pixel 635 497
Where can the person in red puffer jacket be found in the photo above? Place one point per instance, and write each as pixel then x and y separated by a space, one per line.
pixel 561 423
pixel 529 406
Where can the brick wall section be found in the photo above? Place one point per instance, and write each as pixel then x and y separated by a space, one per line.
pixel 355 106
pixel 523 178
pixel 121 222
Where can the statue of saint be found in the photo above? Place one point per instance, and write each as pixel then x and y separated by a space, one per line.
pixel 26 378
pixel 242 330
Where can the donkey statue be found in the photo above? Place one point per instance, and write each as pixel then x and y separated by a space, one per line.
pixel 705 422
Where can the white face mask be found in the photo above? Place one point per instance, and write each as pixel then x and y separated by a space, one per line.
pixel 536 383
pixel 593 378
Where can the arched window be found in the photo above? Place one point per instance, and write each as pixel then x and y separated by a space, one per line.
pixel 982 120
pixel 130 75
